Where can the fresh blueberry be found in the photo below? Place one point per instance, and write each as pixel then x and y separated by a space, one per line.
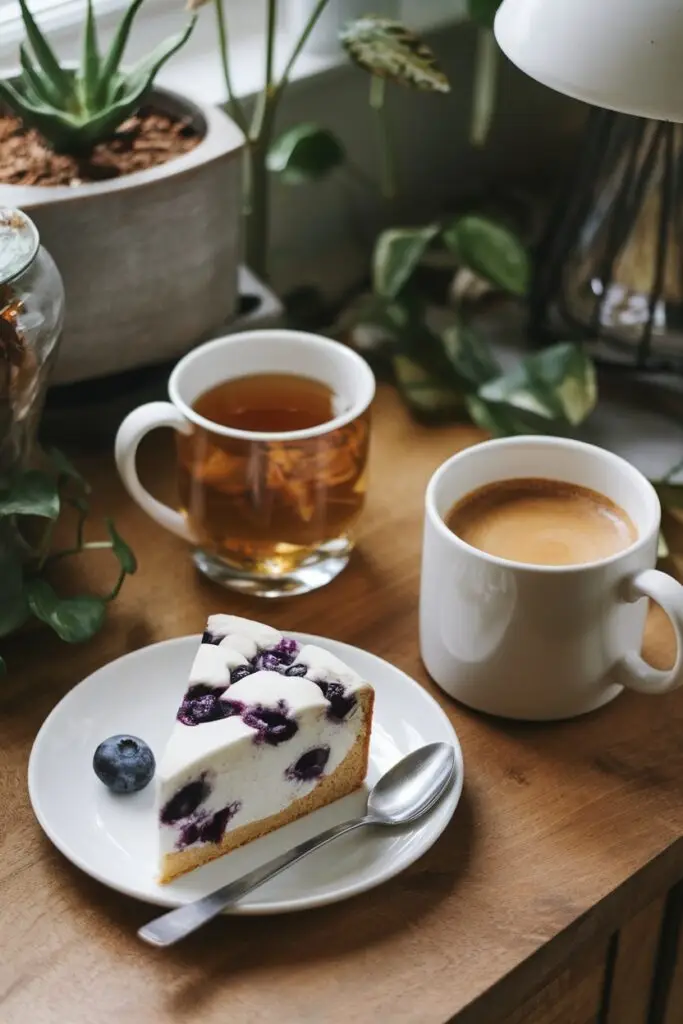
pixel 297 670
pixel 185 802
pixel 269 662
pixel 201 704
pixel 125 764
pixel 286 650
pixel 211 831
pixel 341 703
pixel 240 672
pixel 273 725
pixel 310 765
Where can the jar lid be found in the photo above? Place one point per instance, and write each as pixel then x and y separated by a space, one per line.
pixel 19 243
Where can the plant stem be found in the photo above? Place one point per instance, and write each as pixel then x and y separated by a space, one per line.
pixel 92 545
pixel 234 106
pixel 270 41
pixel 114 592
pixel 256 184
pixel 267 94
pixel 484 89
pixel 303 39
pixel 257 206
pixel 388 184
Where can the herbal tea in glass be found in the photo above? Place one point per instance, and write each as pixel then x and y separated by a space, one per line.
pixel 269 505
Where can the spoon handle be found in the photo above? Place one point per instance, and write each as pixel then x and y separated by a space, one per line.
pixel 176 924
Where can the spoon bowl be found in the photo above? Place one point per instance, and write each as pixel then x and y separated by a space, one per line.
pixel 413 785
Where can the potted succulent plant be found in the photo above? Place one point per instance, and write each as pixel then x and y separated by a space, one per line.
pixel 135 191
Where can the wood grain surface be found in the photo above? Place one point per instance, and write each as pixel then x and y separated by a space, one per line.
pixel 564 831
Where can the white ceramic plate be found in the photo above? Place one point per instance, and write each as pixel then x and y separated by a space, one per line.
pixel 113 838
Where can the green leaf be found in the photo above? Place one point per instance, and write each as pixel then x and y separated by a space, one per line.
pixel 90 61
pixel 390 50
pixel 504 420
pixel 65 467
pixel 425 393
pixel 483 11
pixel 491 250
pixel 397 253
pixel 469 355
pixel 123 552
pixel 558 383
pixel 41 86
pixel 112 61
pixel 30 494
pixel 74 619
pixel 670 495
pixel 44 55
pixel 305 153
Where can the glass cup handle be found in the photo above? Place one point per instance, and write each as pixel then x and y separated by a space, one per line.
pixel 632 671
pixel 129 435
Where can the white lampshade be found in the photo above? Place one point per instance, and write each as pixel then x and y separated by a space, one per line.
pixel 625 55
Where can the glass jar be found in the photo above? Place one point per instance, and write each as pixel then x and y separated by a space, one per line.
pixel 31 319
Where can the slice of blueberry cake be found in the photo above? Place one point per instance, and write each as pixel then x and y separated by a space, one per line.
pixel 267 731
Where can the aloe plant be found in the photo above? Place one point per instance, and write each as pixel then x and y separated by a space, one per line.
pixel 74 110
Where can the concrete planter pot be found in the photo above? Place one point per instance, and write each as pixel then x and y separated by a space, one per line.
pixel 149 260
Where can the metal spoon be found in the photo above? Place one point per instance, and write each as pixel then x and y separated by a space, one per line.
pixel 403 794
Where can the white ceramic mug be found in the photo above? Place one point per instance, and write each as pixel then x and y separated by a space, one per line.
pixel 542 642
pixel 263 510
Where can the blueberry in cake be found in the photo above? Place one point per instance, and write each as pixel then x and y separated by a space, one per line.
pixel 267 731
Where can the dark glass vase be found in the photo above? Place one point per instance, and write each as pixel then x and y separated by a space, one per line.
pixel 610 267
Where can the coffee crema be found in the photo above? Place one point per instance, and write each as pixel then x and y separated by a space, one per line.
pixel 541 522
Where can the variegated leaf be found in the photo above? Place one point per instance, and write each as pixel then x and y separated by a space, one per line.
pixel 557 384
pixel 390 50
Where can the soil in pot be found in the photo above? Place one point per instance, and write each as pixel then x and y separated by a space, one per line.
pixel 146 140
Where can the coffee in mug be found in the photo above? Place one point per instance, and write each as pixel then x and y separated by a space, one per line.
pixel 541 522
pixel 535 582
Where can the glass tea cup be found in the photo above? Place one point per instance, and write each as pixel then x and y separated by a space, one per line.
pixel 268 513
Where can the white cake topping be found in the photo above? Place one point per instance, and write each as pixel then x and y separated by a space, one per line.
pixel 241 643
pixel 327 668
pixel 268 688
pixel 212 665
pixel 262 635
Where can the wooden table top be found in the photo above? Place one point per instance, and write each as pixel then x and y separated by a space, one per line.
pixel 562 829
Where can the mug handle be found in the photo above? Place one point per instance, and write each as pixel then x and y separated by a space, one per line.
pixel 632 671
pixel 128 437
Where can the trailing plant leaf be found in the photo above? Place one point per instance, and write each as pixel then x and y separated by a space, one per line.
pixel 24 592
pixel 558 383
pixel 121 550
pixel 390 50
pixel 505 420
pixel 74 619
pixel 397 253
pixel 29 494
pixel 492 251
pixel 305 153
pixel 469 355
pixel 423 392
pixel 75 110
pixel 483 11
